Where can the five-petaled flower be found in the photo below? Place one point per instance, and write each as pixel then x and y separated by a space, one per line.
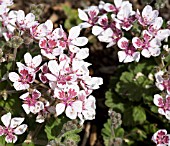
pixel 31 102
pixel 161 138
pixel 12 127
pixel 129 53
pixel 163 104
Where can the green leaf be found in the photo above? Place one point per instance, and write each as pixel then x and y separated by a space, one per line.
pixel 128 118
pixel 135 84
pixel 73 137
pixel 2 140
pixel 112 103
pixel 54 126
pixel 106 132
pixel 119 132
pixel 72 16
pixel 139 115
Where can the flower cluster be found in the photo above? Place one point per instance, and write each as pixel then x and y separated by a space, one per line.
pixel 161 138
pixel 58 79
pixel 112 30
pixel 163 102
pixel 12 127
pixel 66 72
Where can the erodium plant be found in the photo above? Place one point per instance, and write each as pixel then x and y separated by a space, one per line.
pixel 136 34
pixel 57 81
pixel 60 69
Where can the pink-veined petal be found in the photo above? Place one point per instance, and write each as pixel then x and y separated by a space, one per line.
pixel 11 138
pixel 48 55
pixel 43 43
pixel 1 130
pixel 137 43
pixel 109 7
pixel 158 100
pixel 123 43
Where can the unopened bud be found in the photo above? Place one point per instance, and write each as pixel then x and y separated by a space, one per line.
pixel 15 42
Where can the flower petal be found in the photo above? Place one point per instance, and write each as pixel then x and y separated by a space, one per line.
pixel 19 86
pixel 15 122
pixel 71 113
pixel 26 108
pixel 82 53
pixel 74 32
pixel 80 41
pixel 6 119
pixel 96 30
pixel 37 61
pixel 28 59
pixel 14 77
pixel 20 129
pixel 24 96
pixel 121 55
pixel 82 15
pixel 60 107
pixel 53 67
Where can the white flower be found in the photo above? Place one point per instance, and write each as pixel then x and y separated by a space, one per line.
pixel 32 63
pixel 148 16
pixel 22 81
pixel 25 22
pixel 128 53
pixel 161 138
pixel 89 15
pixel 12 127
pixel 31 103
pixel 68 102
pixel 125 15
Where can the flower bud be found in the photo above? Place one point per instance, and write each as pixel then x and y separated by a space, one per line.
pixel 15 42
